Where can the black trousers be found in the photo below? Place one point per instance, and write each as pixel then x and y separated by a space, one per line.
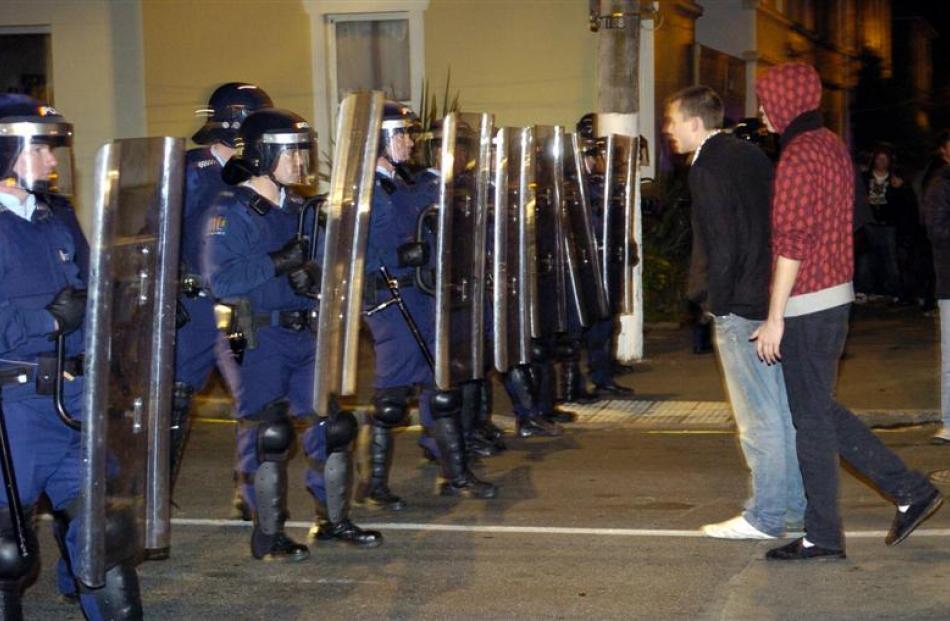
pixel 811 348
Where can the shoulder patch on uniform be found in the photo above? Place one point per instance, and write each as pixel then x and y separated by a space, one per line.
pixel 216 225
pixel 206 163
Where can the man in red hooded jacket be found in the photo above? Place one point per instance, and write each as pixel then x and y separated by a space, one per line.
pixel 807 323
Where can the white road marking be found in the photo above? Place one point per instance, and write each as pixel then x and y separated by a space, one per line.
pixel 534 530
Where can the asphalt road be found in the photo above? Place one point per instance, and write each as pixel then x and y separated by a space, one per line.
pixel 592 499
pixel 601 523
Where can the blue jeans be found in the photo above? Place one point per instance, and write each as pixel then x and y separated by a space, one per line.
pixel 945 361
pixel 766 435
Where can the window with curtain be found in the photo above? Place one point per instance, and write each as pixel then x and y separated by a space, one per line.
pixel 373 54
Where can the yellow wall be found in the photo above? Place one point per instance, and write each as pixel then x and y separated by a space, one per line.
pixel 192 46
pixel 527 61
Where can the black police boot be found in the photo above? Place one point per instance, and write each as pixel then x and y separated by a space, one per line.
pixel 375 492
pixel 458 479
pixel 121 597
pixel 180 427
pixel 476 444
pixel 486 428
pixel 268 540
pixel 11 602
pixel 338 527
pixel 521 388
pixel 576 384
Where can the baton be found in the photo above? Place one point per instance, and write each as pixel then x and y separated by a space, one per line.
pixel 58 384
pixel 393 286
pixel 10 486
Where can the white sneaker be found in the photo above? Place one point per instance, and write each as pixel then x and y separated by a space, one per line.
pixel 941 437
pixel 736 528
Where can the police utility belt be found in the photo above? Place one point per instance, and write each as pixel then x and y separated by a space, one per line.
pixel 239 322
pixel 42 374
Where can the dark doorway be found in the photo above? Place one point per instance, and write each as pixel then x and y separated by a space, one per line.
pixel 27 65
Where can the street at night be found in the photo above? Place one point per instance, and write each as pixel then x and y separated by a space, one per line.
pixel 601 523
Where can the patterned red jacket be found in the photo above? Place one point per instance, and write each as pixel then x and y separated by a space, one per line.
pixel 812 204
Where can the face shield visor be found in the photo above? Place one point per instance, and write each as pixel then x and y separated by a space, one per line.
pixel 37 157
pixel 294 157
pixel 426 147
pixel 399 136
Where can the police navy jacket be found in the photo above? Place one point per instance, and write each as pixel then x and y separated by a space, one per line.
pixel 396 208
pixel 238 239
pixel 38 258
pixel 203 183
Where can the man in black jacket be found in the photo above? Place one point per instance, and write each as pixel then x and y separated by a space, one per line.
pixel 730 184
pixel 937 216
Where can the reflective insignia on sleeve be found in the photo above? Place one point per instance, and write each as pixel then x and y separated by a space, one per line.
pixel 206 163
pixel 216 225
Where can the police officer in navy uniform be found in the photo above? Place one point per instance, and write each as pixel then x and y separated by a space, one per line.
pixel 259 269
pixel 598 338
pixel 196 340
pixel 400 363
pixel 43 263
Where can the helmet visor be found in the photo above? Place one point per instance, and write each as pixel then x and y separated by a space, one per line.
pixel 295 161
pixel 399 136
pixel 42 160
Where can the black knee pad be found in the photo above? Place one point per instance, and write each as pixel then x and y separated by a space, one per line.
pixel 445 403
pixel 390 407
pixel 567 348
pixel 341 429
pixel 275 433
pixel 13 567
pixel 540 350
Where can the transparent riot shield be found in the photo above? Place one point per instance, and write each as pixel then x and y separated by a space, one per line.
pixel 514 270
pixel 619 250
pixel 551 292
pixel 344 248
pixel 461 230
pixel 129 358
pixel 586 286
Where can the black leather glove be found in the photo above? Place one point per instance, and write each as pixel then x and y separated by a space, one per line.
pixel 182 316
pixel 290 257
pixel 413 254
pixel 305 280
pixel 68 308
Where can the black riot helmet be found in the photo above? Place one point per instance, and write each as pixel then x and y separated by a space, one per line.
pixel 229 105
pixel 278 144
pixel 397 119
pixel 35 146
pixel 586 131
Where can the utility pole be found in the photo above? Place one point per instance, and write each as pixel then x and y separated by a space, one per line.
pixel 617 23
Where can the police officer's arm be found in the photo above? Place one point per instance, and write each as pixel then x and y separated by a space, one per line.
pixel 17 324
pixel 233 262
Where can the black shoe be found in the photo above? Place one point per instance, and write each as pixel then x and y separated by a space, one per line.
pixel 277 547
pixel 614 390
pixel 537 426
pixel 795 551
pixel 558 415
pixel 488 436
pixel 623 369
pixel 345 532
pixel 380 497
pixel 905 523
pixel 491 431
pixel 240 510
pixel 468 487
pixel 478 446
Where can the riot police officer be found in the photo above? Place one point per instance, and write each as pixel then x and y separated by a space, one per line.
pixel 400 360
pixel 598 338
pixel 259 269
pixel 43 264
pixel 196 340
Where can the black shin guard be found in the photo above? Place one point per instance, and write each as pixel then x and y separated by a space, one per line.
pixel 180 428
pixel 120 599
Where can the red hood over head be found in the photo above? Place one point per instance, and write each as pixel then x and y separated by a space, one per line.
pixel 787 91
